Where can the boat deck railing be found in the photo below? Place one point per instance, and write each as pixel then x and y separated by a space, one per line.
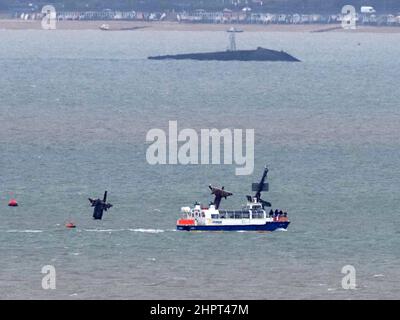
pixel 240 214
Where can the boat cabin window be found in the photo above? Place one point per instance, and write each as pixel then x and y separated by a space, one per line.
pixel 238 214
pixel 258 214
pixel 214 216
pixel 223 214
pixel 246 215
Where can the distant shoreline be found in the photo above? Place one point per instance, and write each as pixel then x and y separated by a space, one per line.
pixel 16 24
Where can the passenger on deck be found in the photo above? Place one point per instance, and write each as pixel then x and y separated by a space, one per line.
pixel 271 213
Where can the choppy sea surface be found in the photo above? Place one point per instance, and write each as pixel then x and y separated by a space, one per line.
pixel 75 107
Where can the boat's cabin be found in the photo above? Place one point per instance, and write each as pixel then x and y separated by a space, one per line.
pixel 250 211
pixel 197 212
pixel 239 214
pixel 254 206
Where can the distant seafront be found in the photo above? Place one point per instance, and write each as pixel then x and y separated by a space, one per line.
pixel 18 24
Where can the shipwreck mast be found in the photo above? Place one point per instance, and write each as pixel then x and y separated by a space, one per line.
pixel 232 38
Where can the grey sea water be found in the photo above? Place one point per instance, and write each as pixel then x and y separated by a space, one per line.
pixel 76 107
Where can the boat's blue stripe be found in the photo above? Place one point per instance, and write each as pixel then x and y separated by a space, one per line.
pixel 270 226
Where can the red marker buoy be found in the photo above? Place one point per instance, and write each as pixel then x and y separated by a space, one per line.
pixel 70 225
pixel 13 203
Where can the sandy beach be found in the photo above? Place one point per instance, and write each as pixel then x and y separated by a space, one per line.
pixel 15 24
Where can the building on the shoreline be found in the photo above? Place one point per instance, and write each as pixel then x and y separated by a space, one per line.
pixel 226 16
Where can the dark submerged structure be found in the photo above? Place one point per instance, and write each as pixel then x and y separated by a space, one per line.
pixel 259 54
pixel 100 206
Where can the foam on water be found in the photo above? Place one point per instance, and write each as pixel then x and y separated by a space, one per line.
pixel 104 230
pixel 25 231
pixel 147 230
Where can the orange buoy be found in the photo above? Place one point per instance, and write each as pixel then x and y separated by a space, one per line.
pixel 70 225
pixel 13 203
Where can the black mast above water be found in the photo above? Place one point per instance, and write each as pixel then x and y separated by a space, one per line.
pixel 100 206
pixel 259 187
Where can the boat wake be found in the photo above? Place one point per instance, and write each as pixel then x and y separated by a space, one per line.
pixel 104 230
pixel 25 231
pixel 147 230
pixel 124 230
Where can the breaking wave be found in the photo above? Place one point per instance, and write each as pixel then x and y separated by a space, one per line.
pixel 26 231
pixel 131 229
pixel 147 230
pixel 104 230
